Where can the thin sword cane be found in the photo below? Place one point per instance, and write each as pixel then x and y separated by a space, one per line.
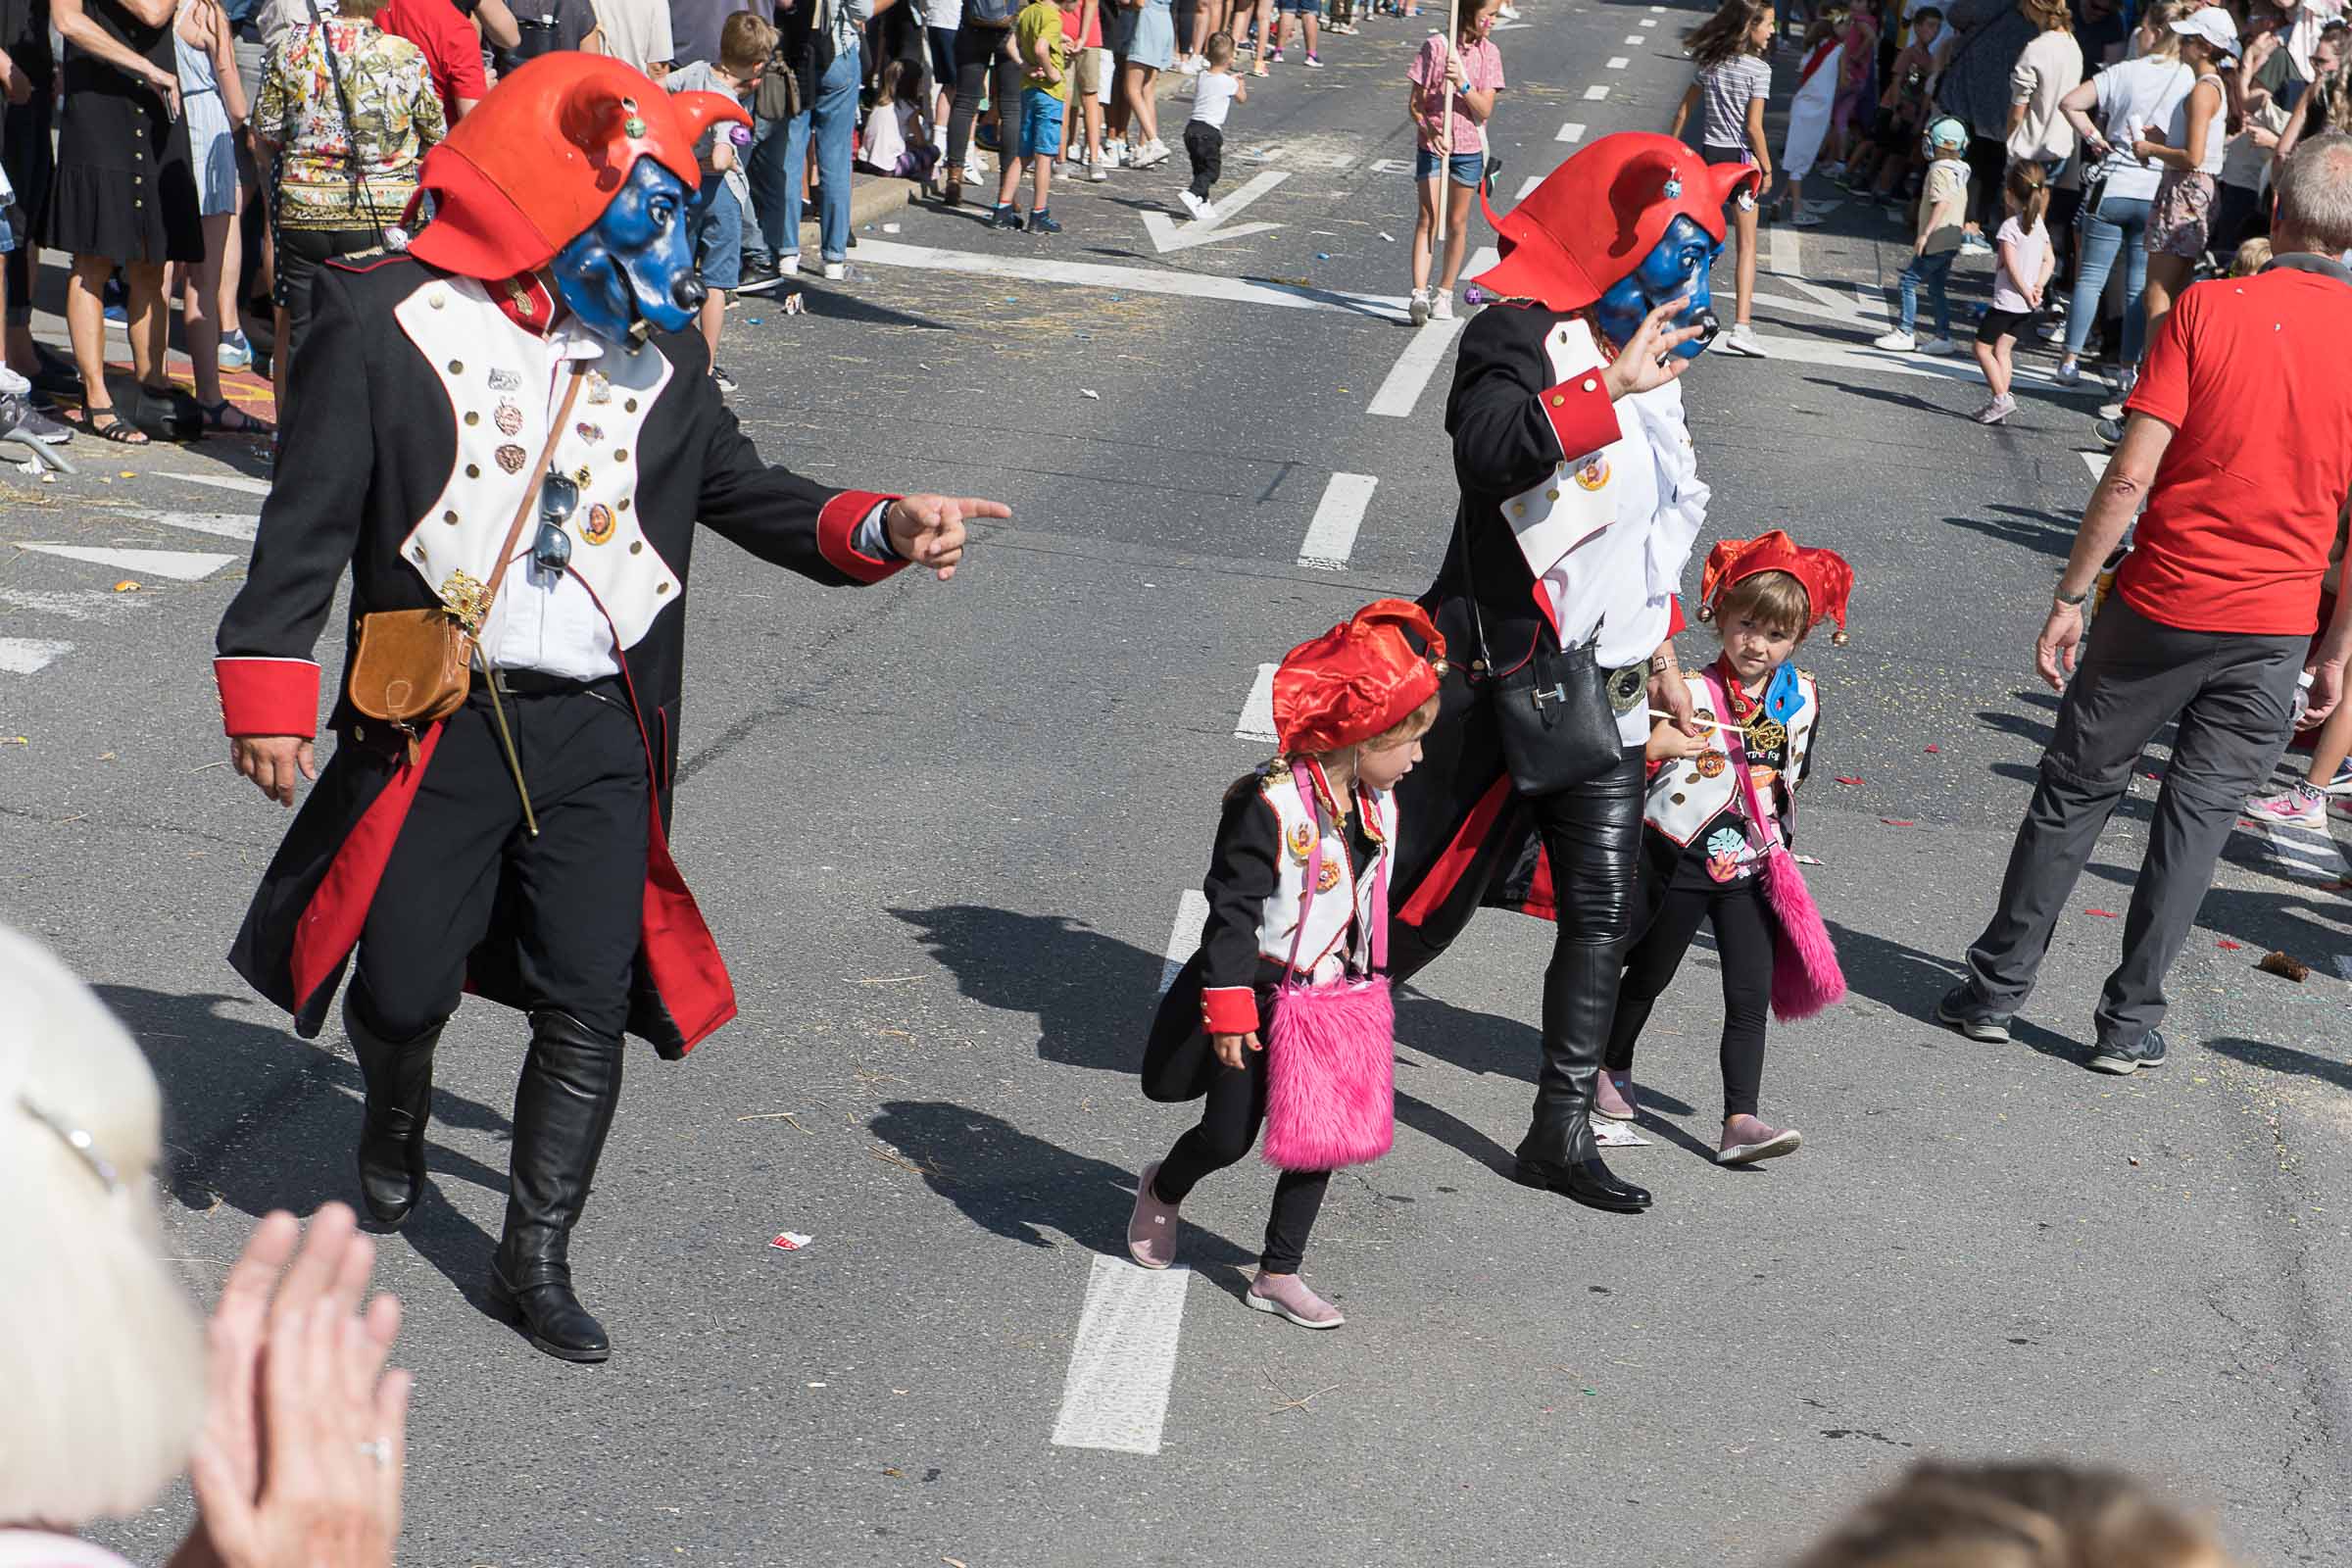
pixel 506 738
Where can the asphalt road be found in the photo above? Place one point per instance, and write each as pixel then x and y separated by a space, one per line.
pixel 944 835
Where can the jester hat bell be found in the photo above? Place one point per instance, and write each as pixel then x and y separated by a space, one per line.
pixel 1829 581
pixel 535 164
pixel 1594 219
pixel 1359 680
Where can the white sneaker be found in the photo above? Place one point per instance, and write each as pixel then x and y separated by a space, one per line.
pixel 837 271
pixel 1742 340
pixel 1440 305
pixel 975 172
pixel 1417 306
pixel 1192 203
pixel 1114 153
pixel 1208 212
pixel 1152 154
pixel 1192 64
pixel 2111 411
pixel 2067 375
pixel 1937 346
pixel 1898 341
pixel 788 265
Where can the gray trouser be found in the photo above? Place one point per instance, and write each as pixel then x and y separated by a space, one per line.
pixel 2229 694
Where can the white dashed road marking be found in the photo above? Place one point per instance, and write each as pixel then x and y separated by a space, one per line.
pixel 23 655
pixel 222 481
pixel 1331 537
pixel 1258 713
pixel 182 565
pixel 1419 360
pixel 1596 93
pixel 1183 938
pixel 1618 61
pixel 1572 131
pixel 1123 1357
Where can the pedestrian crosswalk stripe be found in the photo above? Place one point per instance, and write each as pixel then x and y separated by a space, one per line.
pixel 223 525
pixel 1258 712
pixel 23 655
pixel 182 566
pixel 1527 186
pixel 85 604
pixel 1183 938
pixel 1572 131
pixel 1597 92
pixel 1123 1357
pixel 1618 61
pixel 1331 536
pixel 223 481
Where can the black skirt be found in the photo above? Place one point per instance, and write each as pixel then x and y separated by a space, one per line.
pixel 125 186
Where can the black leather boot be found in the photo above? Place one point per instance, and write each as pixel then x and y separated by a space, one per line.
pixel 399 1074
pixel 1558 1153
pixel 563 1110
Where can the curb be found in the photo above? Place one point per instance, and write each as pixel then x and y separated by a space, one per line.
pixel 872 197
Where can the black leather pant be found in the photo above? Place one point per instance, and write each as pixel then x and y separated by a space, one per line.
pixel 1593 836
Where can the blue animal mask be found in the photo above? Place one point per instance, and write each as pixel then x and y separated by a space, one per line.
pixel 633 272
pixel 1676 267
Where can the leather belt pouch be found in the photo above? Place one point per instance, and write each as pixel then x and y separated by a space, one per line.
pixel 411 668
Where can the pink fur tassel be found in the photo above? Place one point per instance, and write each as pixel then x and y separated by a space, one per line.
pixel 1331 1075
pixel 1805 976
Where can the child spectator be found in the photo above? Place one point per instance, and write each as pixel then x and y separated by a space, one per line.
pixel 1090 73
pixel 1857 87
pixel 1893 152
pixel 1451 152
pixel 1041 49
pixel 1734 81
pixel 2251 258
pixel 1942 206
pixel 2021 273
pixel 898 137
pixel 1717 803
pixel 744 45
pixel 1216 90
pixel 1310 18
pixel 1296 930
pixel 1810 110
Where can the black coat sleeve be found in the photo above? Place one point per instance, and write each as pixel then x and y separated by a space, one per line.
pixel 1244 867
pixel 1510 426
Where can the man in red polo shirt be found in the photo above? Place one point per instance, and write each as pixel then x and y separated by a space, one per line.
pixel 453 50
pixel 2240 439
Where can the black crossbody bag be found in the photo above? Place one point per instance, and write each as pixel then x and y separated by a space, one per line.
pixel 1556 711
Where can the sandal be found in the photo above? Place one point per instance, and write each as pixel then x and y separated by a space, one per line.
pixel 108 425
pixel 218 416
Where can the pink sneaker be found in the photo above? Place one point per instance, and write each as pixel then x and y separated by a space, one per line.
pixel 1287 1296
pixel 1613 1096
pixel 2298 806
pixel 1152 1228
pixel 1746 1140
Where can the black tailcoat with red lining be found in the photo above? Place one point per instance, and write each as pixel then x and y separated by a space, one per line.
pixel 370 443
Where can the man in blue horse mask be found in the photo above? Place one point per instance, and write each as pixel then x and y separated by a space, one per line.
pixel 475 431
pixel 1581 499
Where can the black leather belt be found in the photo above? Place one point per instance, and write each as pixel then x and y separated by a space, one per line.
pixel 539 683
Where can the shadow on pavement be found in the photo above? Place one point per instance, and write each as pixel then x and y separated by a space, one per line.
pixel 1054 967
pixel 2039 531
pixel 2282 1059
pixel 259 1119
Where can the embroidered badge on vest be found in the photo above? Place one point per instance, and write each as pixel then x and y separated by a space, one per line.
pixel 1328 878
pixel 1302 842
pixel 600 524
pixel 1712 763
pixel 1594 474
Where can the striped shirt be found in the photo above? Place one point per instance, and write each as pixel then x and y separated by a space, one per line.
pixel 1726 91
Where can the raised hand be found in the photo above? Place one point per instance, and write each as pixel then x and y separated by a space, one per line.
pixel 928 530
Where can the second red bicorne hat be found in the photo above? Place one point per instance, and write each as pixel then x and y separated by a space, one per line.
pixel 1596 216
pixel 537 162
pixel 1359 680
pixel 1828 579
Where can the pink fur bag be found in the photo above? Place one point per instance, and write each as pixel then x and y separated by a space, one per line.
pixel 1330 1051
pixel 1805 975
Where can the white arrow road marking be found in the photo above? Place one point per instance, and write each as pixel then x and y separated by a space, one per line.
pixel 223 525
pixel 1184 937
pixel 23 655
pixel 1331 537
pixel 224 481
pixel 1258 711
pixel 182 565
pixel 2096 463
pixel 1131 280
pixel 1168 236
pixel 1123 1356
pixel 78 605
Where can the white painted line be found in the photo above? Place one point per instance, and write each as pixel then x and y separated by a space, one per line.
pixel 1656 10
pixel 1528 187
pixel 1618 61
pixel 1331 537
pixel 1413 369
pixel 182 566
pixel 1636 39
pixel 1258 712
pixel 1184 937
pixel 1788 251
pixel 224 481
pixel 2096 463
pixel 1128 279
pixel 23 655
pixel 1572 131
pixel 1648 22
pixel 223 525
pixel 1595 94
pixel 1123 1357
pixel 81 604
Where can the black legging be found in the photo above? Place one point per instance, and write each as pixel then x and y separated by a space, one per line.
pixel 978 49
pixel 1988 167
pixel 1230 1117
pixel 1593 836
pixel 1743 944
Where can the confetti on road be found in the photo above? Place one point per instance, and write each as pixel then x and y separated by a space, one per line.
pixel 2228 946
pixel 1935 748
pixel 2104 915
pixel 1897 821
pixel 1850 781
pixel 791 1242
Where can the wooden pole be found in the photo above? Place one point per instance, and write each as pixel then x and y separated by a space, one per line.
pixel 1437 254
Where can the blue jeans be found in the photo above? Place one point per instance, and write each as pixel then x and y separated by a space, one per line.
pixel 778 162
pixel 2120 223
pixel 1931 269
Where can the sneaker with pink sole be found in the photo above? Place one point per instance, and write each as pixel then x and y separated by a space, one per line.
pixel 1749 1139
pixel 1151 1229
pixel 1613 1096
pixel 1287 1295
pixel 2298 806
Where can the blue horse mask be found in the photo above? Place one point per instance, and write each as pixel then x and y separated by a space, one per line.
pixel 633 272
pixel 1676 267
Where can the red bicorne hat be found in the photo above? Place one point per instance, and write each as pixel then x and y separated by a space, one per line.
pixel 1596 216
pixel 536 163
pixel 1359 680
pixel 1829 581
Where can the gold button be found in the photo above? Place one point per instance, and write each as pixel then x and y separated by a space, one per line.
pixel 629 405
pixel 456 367
pixel 1558 401
pixel 418 552
pixel 661 588
pixel 636 547
pixel 359 732
pixel 624 503
pixel 472 417
pixel 1552 495
pixel 450 517
pixel 1679 798
pixel 1518 509
pixel 620 454
pixel 473 470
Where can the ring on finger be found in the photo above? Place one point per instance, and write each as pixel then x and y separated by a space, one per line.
pixel 381 1450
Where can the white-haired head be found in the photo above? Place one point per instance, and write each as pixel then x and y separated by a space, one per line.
pixel 101 1350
